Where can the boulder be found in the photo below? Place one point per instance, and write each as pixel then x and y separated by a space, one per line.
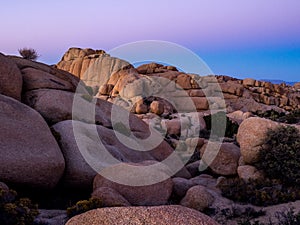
pixel 10 78
pixel 38 79
pixel 297 86
pixel 82 143
pixel 29 154
pixel 248 82
pixel 110 197
pixel 136 193
pixel 248 172
pixel 197 197
pixel 226 160
pixel 251 136
pixel 162 215
pixel 63 75
pixel 157 107
pixel 57 105
pixel 181 186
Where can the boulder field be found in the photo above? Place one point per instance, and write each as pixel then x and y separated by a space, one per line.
pixel 96 124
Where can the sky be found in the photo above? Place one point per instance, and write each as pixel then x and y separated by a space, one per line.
pixel 257 38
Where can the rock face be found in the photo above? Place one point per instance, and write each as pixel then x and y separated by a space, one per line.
pixel 29 154
pixel 88 64
pixel 154 194
pixel 163 215
pixel 251 135
pixel 97 143
pixel 198 198
pixel 10 78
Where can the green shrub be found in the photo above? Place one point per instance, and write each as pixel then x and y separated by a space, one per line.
pixel 28 53
pixel 15 211
pixel 84 206
pixel 280 158
pixel 221 120
pixel 292 117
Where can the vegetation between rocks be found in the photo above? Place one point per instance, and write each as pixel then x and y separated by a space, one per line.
pixel 16 211
pixel 28 53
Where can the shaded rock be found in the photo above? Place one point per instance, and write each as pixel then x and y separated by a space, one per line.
pixel 57 105
pixel 181 186
pixel 251 136
pixel 10 78
pixel 248 172
pixel 63 75
pixel 3 186
pixel 29 154
pixel 51 217
pixel 38 79
pixel 197 197
pixel 163 215
pixel 193 168
pixel 226 159
pixel 154 194
pixel 110 197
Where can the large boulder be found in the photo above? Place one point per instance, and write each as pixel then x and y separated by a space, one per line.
pixel 226 160
pixel 29 154
pixel 38 79
pixel 251 137
pixel 137 193
pixel 163 215
pixel 10 78
pixel 81 142
pixel 63 75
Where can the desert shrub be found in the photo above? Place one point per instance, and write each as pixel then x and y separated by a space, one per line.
pixel 262 193
pixel 84 206
pixel 288 218
pixel 280 158
pixel 28 53
pixel 16 211
pixel 221 120
pixel 290 118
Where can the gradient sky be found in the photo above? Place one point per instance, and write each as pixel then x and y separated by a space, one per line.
pixel 257 38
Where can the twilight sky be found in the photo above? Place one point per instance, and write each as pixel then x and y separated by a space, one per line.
pixel 257 38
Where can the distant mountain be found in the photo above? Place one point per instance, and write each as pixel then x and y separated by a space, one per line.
pixel 279 82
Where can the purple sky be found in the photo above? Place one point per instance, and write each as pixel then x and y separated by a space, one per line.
pixel 258 38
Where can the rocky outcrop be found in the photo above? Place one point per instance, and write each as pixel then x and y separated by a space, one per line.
pixel 163 215
pixel 10 78
pixel 29 154
pixel 94 67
